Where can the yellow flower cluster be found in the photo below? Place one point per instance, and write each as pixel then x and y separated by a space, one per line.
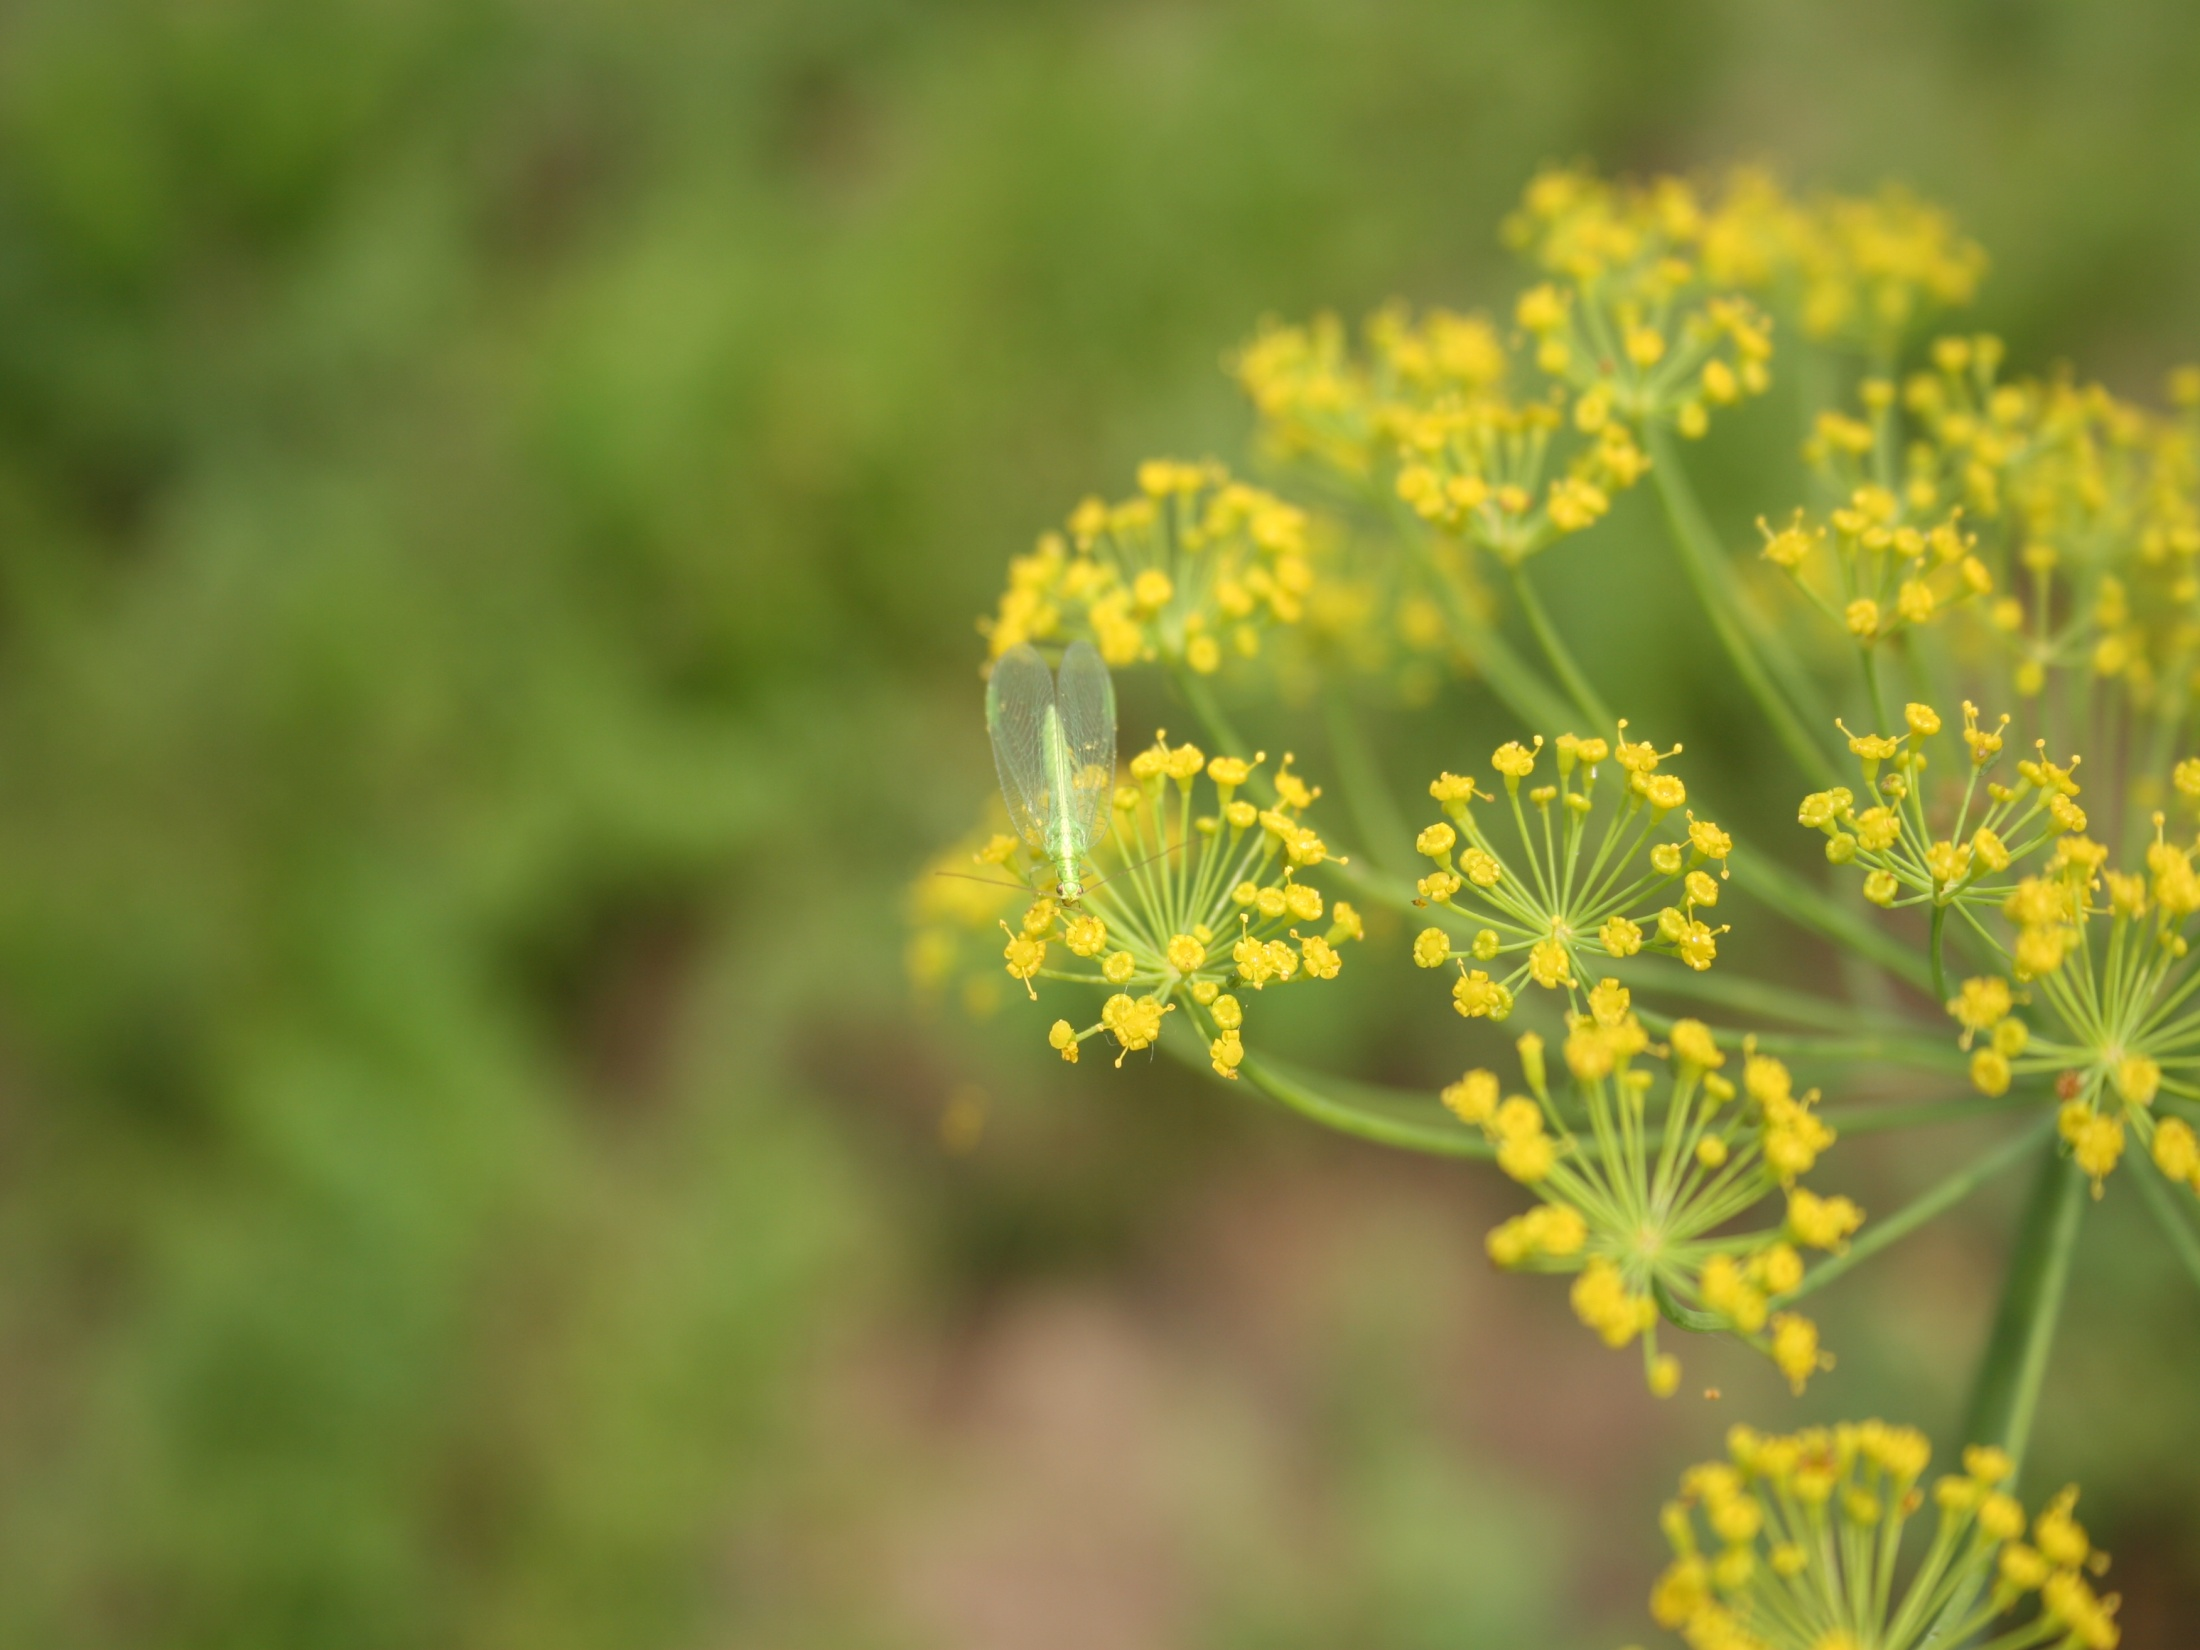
pixel 1857 271
pixel 1888 575
pixel 1480 472
pixel 1346 412
pixel 1422 414
pixel 1863 271
pixel 1793 1543
pixel 1564 889
pixel 1640 321
pixel 1193 910
pixel 2110 1014
pixel 1908 856
pixel 1871 269
pixel 2076 512
pixel 1192 567
pixel 1637 1194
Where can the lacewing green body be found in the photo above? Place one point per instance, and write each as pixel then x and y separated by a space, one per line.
pixel 1054 745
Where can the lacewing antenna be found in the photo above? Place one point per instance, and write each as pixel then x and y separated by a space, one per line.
pixel 1098 882
pixel 1102 882
pixel 990 882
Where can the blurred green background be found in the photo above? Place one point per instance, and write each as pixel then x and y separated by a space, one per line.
pixel 493 500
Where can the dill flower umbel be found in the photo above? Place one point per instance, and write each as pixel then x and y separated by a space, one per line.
pixel 1861 272
pixel 2099 963
pixel 1949 854
pixel 1193 568
pixel 1871 269
pixel 1636 1192
pixel 1485 473
pixel 1634 321
pixel 1193 909
pixel 1888 576
pixel 1424 416
pixel 1345 411
pixel 2060 518
pixel 1560 891
pixel 1797 1543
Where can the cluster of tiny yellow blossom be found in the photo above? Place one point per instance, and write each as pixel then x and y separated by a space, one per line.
pixel 1192 910
pixel 1635 321
pixel 2065 519
pixel 1637 1195
pixel 1192 568
pixel 1795 1543
pixel 1860 271
pixel 1872 269
pixel 1645 320
pixel 1347 412
pixel 1565 890
pixel 2108 1012
pixel 1481 472
pixel 1422 416
pixel 1888 576
pixel 1910 858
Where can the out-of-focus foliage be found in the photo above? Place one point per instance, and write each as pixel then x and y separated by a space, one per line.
pixel 491 497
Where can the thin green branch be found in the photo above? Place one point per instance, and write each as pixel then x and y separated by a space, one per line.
pixel 2161 1197
pixel 1380 886
pixel 1807 907
pixel 1685 1317
pixel 1507 675
pixel 1757 998
pixel 1706 565
pixel 1890 1049
pixel 1848 1120
pixel 1385 1117
pixel 1880 1234
pixel 1384 834
pixel 1569 670
pixel 2005 1393
pixel 1216 723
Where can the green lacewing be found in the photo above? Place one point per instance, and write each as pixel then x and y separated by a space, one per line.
pixel 1054 745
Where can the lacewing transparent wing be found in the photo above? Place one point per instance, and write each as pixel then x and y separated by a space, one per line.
pixel 1019 710
pixel 1054 746
pixel 1085 695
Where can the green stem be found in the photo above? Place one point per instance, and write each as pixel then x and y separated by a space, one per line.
pixel 1940 978
pixel 1504 672
pixel 1807 907
pixel 1878 1119
pixel 1758 998
pixel 1685 1317
pixel 1364 1114
pixel 1870 666
pixel 1201 698
pixel 1915 1051
pixel 1561 656
pixel 2005 1394
pixel 1384 833
pixel 2161 1197
pixel 1880 1234
pixel 1705 563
